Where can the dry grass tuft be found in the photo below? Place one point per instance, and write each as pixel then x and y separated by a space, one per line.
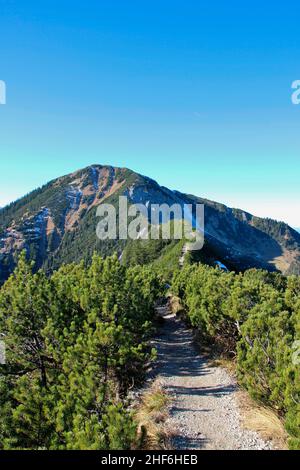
pixel 175 305
pixel 155 400
pixel 263 420
pixel 151 414
pixel 228 364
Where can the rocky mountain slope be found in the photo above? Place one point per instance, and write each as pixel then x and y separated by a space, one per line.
pixel 57 223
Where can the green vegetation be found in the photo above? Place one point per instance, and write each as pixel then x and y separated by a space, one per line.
pixel 76 343
pixel 162 254
pixel 255 317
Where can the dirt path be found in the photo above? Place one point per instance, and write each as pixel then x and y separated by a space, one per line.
pixel 204 413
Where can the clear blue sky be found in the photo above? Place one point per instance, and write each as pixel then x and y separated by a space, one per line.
pixel 196 94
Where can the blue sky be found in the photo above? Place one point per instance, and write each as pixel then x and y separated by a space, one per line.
pixel 196 94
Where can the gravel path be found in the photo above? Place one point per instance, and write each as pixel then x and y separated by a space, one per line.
pixel 204 413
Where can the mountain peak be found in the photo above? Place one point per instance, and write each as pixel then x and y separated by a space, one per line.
pixel 57 223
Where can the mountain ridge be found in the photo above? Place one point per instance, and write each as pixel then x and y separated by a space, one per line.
pixel 57 223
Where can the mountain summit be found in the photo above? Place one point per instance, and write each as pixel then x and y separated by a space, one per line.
pixel 57 223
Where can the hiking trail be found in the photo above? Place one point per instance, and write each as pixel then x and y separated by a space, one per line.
pixel 204 413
